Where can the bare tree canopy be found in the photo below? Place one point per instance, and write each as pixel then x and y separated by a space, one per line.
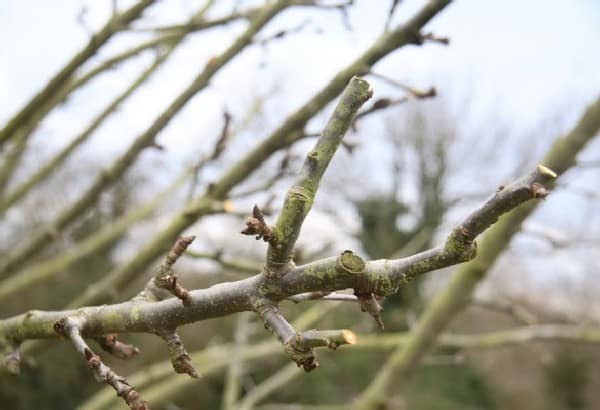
pixel 360 199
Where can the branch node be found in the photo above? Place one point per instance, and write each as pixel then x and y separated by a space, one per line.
pixel 70 327
pixel 180 359
pixel 432 37
pixel 369 304
pixel 166 278
pixel 538 190
pixel 304 358
pixel 170 283
pixel 12 357
pixel 110 344
pixel 256 225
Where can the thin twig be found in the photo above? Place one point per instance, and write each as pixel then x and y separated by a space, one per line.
pixel 70 327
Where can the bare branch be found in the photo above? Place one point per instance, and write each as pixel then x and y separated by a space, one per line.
pixel 277 380
pixel 165 278
pixel 212 359
pixel 198 24
pixel 401 366
pixel 115 24
pixel 282 171
pixel 380 277
pixel 38 242
pixel 323 295
pixel 369 304
pixel 242 266
pixel 518 313
pixel 11 160
pixel 413 92
pixel 50 268
pixel 69 327
pixel 436 39
pixel 290 131
pixel 110 344
pixel 493 340
pixel 180 359
pixel 301 195
pixel 299 346
pixel 46 170
pixel 232 389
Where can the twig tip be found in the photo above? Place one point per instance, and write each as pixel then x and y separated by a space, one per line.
pixel 546 171
pixel 349 336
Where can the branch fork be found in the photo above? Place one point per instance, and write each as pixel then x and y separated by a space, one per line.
pixel 300 346
pixel 166 278
pixel 301 194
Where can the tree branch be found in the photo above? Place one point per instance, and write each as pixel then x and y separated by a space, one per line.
pixel 49 268
pixel 180 359
pixel 110 344
pixel 290 131
pixel 158 385
pixel 115 24
pixel 299 346
pixel 301 195
pixel 39 241
pixel 46 170
pixel 277 380
pixel 235 370
pixel 381 277
pixel 401 366
pixel 69 327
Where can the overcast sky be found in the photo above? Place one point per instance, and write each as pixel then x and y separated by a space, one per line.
pixel 517 63
pixel 521 57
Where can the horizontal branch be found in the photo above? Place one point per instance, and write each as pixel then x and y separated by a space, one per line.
pixel 381 277
pixel 495 339
pixel 398 371
pixel 157 384
pixel 291 130
pixel 215 359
